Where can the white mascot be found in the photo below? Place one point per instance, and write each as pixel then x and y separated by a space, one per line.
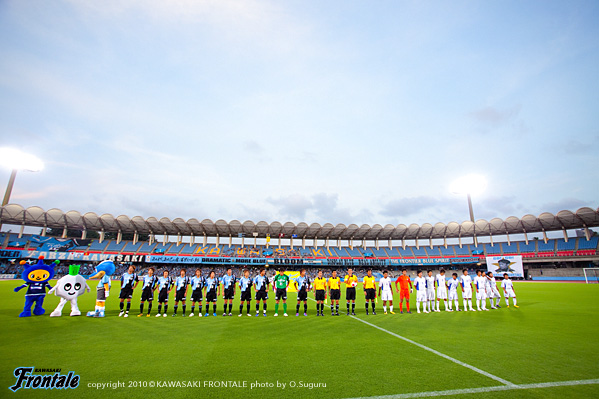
pixel 68 289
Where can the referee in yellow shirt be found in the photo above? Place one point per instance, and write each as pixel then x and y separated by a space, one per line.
pixel 351 281
pixel 335 292
pixel 320 291
pixel 370 290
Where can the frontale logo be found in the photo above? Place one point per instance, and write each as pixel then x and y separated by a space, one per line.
pixel 47 379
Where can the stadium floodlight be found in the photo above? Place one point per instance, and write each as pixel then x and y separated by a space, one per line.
pixel 17 160
pixel 469 185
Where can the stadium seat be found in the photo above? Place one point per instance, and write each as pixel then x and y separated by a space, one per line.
pixel 433 252
pixel 188 249
pixel 393 252
pixel 131 248
pixel 354 253
pixel 447 251
pixel 587 247
pixel 554 247
pixel 493 249
pixel 546 250
pixel 510 249
pixel 341 252
pixel 114 248
pixel 319 252
pixel 419 252
pixel 204 249
pixel 406 253
pixel 477 250
pixel 97 246
pixel 162 248
pixel 565 248
pixel 379 253
pixel 330 252
pixel 562 245
pixel 464 251
pixel 146 248
pixel 305 252
pixel 583 243
pixel 79 248
pixel 527 250
pixel 174 249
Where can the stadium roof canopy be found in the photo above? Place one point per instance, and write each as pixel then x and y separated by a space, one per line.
pixel 55 218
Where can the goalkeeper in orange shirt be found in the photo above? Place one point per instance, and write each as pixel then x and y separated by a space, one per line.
pixel 404 292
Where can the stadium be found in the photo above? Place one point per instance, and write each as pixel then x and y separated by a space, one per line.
pixel 303 245
pixel 315 199
pixel 573 257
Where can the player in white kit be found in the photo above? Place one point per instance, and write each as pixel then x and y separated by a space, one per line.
pixel 386 292
pixel 480 283
pixel 441 289
pixel 430 291
pixel 466 283
pixel 452 287
pixel 508 290
pixel 492 291
pixel 420 283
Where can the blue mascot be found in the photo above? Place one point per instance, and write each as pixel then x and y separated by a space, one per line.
pixel 36 280
pixel 103 272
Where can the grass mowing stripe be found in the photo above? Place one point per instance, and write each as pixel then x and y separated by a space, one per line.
pixel 484 389
pixel 476 369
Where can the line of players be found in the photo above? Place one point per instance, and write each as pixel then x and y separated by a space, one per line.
pixel 211 287
pixel 484 284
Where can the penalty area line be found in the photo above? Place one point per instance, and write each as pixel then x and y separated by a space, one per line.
pixel 484 389
pixel 475 369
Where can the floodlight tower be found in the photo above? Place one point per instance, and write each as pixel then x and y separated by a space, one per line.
pixel 469 185
pixel 17 160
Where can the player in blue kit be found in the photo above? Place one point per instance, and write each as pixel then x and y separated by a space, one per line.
pixel 302 284
pixel 261 287
pixel 212 291
pixel 197 285
pixel 228 282
pixel 181 284
pixel 147 294
pixel 245 286
pixel 165 284
pixel 129 282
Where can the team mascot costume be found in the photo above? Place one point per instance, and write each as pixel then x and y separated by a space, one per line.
pixel 36 279
pixel 103 272
pixel 68 289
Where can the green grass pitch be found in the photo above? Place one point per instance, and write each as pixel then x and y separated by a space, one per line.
pixel 551 337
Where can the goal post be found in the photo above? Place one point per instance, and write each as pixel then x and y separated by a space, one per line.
pixel 591 275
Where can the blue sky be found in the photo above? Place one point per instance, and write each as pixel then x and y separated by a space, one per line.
pixel 337 111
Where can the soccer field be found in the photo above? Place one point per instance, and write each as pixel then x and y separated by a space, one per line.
pixel 547 348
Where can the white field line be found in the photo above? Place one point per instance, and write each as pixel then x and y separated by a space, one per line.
pixel 506 387
pixel 484 389
pixel 475 369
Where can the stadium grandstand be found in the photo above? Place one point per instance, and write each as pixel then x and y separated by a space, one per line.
pixel 546 242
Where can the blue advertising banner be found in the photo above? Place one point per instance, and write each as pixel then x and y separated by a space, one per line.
pixel 207 260
pixel 10 254
pixel 199 260
pixel 307 262
pixel 433 261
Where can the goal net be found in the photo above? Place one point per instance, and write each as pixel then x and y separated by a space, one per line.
pixel 591 275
